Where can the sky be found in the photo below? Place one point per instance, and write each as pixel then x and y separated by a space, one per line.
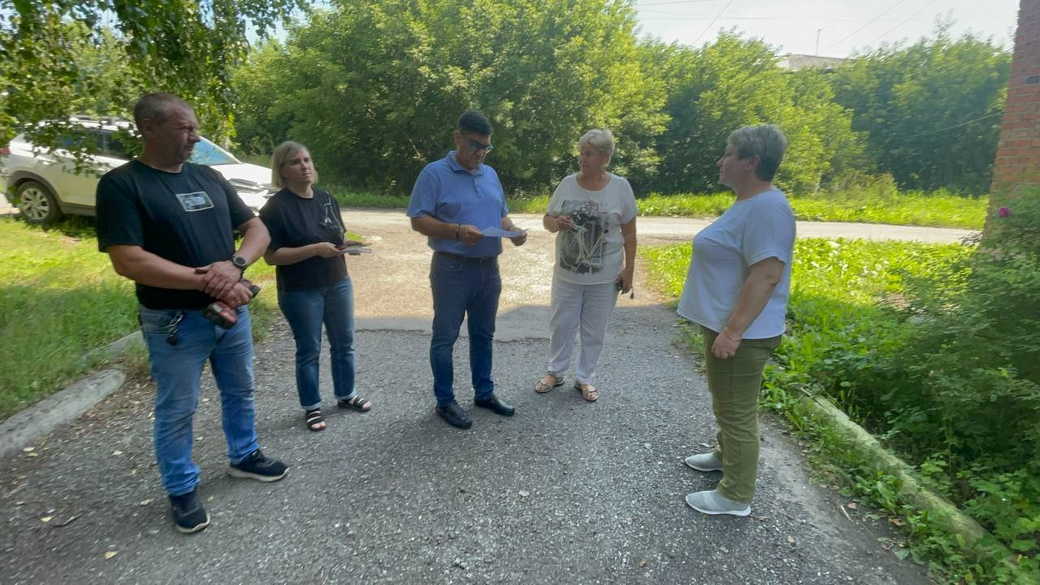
pixel 844 27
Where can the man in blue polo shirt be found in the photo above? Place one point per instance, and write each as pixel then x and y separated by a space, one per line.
pixel 455 202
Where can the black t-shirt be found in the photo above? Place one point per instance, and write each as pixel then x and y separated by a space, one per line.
pixel 186 217
pixel 295 221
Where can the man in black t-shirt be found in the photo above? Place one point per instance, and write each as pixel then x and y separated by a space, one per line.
pixel 168 225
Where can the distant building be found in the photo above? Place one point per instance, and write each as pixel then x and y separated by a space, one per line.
pixel 793 62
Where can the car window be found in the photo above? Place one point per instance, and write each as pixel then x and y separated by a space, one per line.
pixel 207 153
pixel 114 147
pixel 85 139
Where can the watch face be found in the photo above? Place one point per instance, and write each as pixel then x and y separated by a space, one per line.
pixel 238 261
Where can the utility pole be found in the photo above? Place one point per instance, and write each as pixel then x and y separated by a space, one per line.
pixel 818 31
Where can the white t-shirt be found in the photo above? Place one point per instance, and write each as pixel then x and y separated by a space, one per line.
pixel 593 253
pixel 750 231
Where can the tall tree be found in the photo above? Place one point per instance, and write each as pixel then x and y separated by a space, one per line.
pixel 374 88
pixel 182 46
pixel 931 110
pixel 736 82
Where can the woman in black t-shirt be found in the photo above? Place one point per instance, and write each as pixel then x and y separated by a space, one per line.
pixel 307 247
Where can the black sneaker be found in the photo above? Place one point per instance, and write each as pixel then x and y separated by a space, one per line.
pixel 455 416
pixel 258 467
pixel 188 514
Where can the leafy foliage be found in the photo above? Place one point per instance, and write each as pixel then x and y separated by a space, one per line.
pixel 736 82
pixel 59 58
pixel 374 88
pixel 930 111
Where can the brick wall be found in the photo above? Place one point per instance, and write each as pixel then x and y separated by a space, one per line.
pixel 1017 165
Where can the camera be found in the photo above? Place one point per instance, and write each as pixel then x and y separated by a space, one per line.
pixel 221 315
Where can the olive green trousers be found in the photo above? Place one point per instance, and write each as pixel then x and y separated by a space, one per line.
pixel 735 384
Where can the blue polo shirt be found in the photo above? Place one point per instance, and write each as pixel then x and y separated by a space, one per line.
pixel 448 192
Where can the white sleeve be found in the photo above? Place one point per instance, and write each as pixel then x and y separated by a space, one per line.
pixel 769 232
pixel 628 202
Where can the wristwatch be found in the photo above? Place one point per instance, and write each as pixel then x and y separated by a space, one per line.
pixel 239 262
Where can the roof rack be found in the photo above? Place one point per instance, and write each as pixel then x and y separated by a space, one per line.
pixel 101 121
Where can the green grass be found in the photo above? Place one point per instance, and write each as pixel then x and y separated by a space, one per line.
pixel 839 292
pixel 939 209
pixel 60 299
pixel 360 199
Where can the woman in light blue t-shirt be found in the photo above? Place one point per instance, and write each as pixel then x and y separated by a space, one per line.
pixel 736 290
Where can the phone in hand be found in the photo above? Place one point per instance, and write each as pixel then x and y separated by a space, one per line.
pixel 353 248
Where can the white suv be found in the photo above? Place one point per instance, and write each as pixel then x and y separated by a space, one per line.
pixel 44 186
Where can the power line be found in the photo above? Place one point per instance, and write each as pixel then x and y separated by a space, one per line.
pixel 870 22
pixel 912 16
pixel 955 126
pixel 668 2
pixel 671 16
pixel 724 8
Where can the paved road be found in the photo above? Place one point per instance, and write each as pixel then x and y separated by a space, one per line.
pixel 684 227
pixel 564 493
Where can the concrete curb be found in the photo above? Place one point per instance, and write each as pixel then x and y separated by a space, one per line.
pixel 26 426
pixel 45 416
pixel 117 347
pixel 972 537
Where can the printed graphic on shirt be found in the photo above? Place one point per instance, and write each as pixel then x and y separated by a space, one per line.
pixel 196 201
pixel 581 249
pixel 330 219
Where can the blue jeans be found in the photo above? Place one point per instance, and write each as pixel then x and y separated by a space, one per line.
pixel 179 343
pixel 306 310
pixel 461 288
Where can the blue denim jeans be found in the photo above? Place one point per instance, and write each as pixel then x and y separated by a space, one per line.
pixel 463 288
pixel 306 310
pixel 179 343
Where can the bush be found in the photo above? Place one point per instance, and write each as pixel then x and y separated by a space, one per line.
pixel 953 383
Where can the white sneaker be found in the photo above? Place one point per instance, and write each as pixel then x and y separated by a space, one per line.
pixel 704 462
pixel 712 502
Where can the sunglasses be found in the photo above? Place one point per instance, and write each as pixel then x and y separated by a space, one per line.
pixel 478 146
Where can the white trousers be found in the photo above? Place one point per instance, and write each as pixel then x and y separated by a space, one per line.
pixel 574 306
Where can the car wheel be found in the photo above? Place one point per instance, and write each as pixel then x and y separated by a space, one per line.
pixel 37 204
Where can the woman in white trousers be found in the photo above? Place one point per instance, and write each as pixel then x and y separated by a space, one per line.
pixel 593 213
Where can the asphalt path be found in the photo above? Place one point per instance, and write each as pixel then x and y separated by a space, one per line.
pixel 565 492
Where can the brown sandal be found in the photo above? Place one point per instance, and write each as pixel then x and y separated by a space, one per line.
pixel 547 383
pixel 315 422
pixel 588 391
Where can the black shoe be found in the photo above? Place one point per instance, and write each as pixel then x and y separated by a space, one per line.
pixel 258 467
pixel 188 514
pixel 495 405
pixel 455 416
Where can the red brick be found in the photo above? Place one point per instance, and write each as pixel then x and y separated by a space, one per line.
pixel 1018 151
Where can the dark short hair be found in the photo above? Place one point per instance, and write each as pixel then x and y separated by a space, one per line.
pixel 475 123
pixel 156 106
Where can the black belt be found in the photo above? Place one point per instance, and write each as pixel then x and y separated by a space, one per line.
pixel 461 258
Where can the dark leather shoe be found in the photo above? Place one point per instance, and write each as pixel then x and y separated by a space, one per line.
pixel 455 416
pixel 495 405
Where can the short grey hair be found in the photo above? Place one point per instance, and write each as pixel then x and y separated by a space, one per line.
pixel 156 106
pixel 599 138
pixel 766 141
pixel 281 155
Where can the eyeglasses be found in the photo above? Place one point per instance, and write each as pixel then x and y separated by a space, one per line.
pixel 479 146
